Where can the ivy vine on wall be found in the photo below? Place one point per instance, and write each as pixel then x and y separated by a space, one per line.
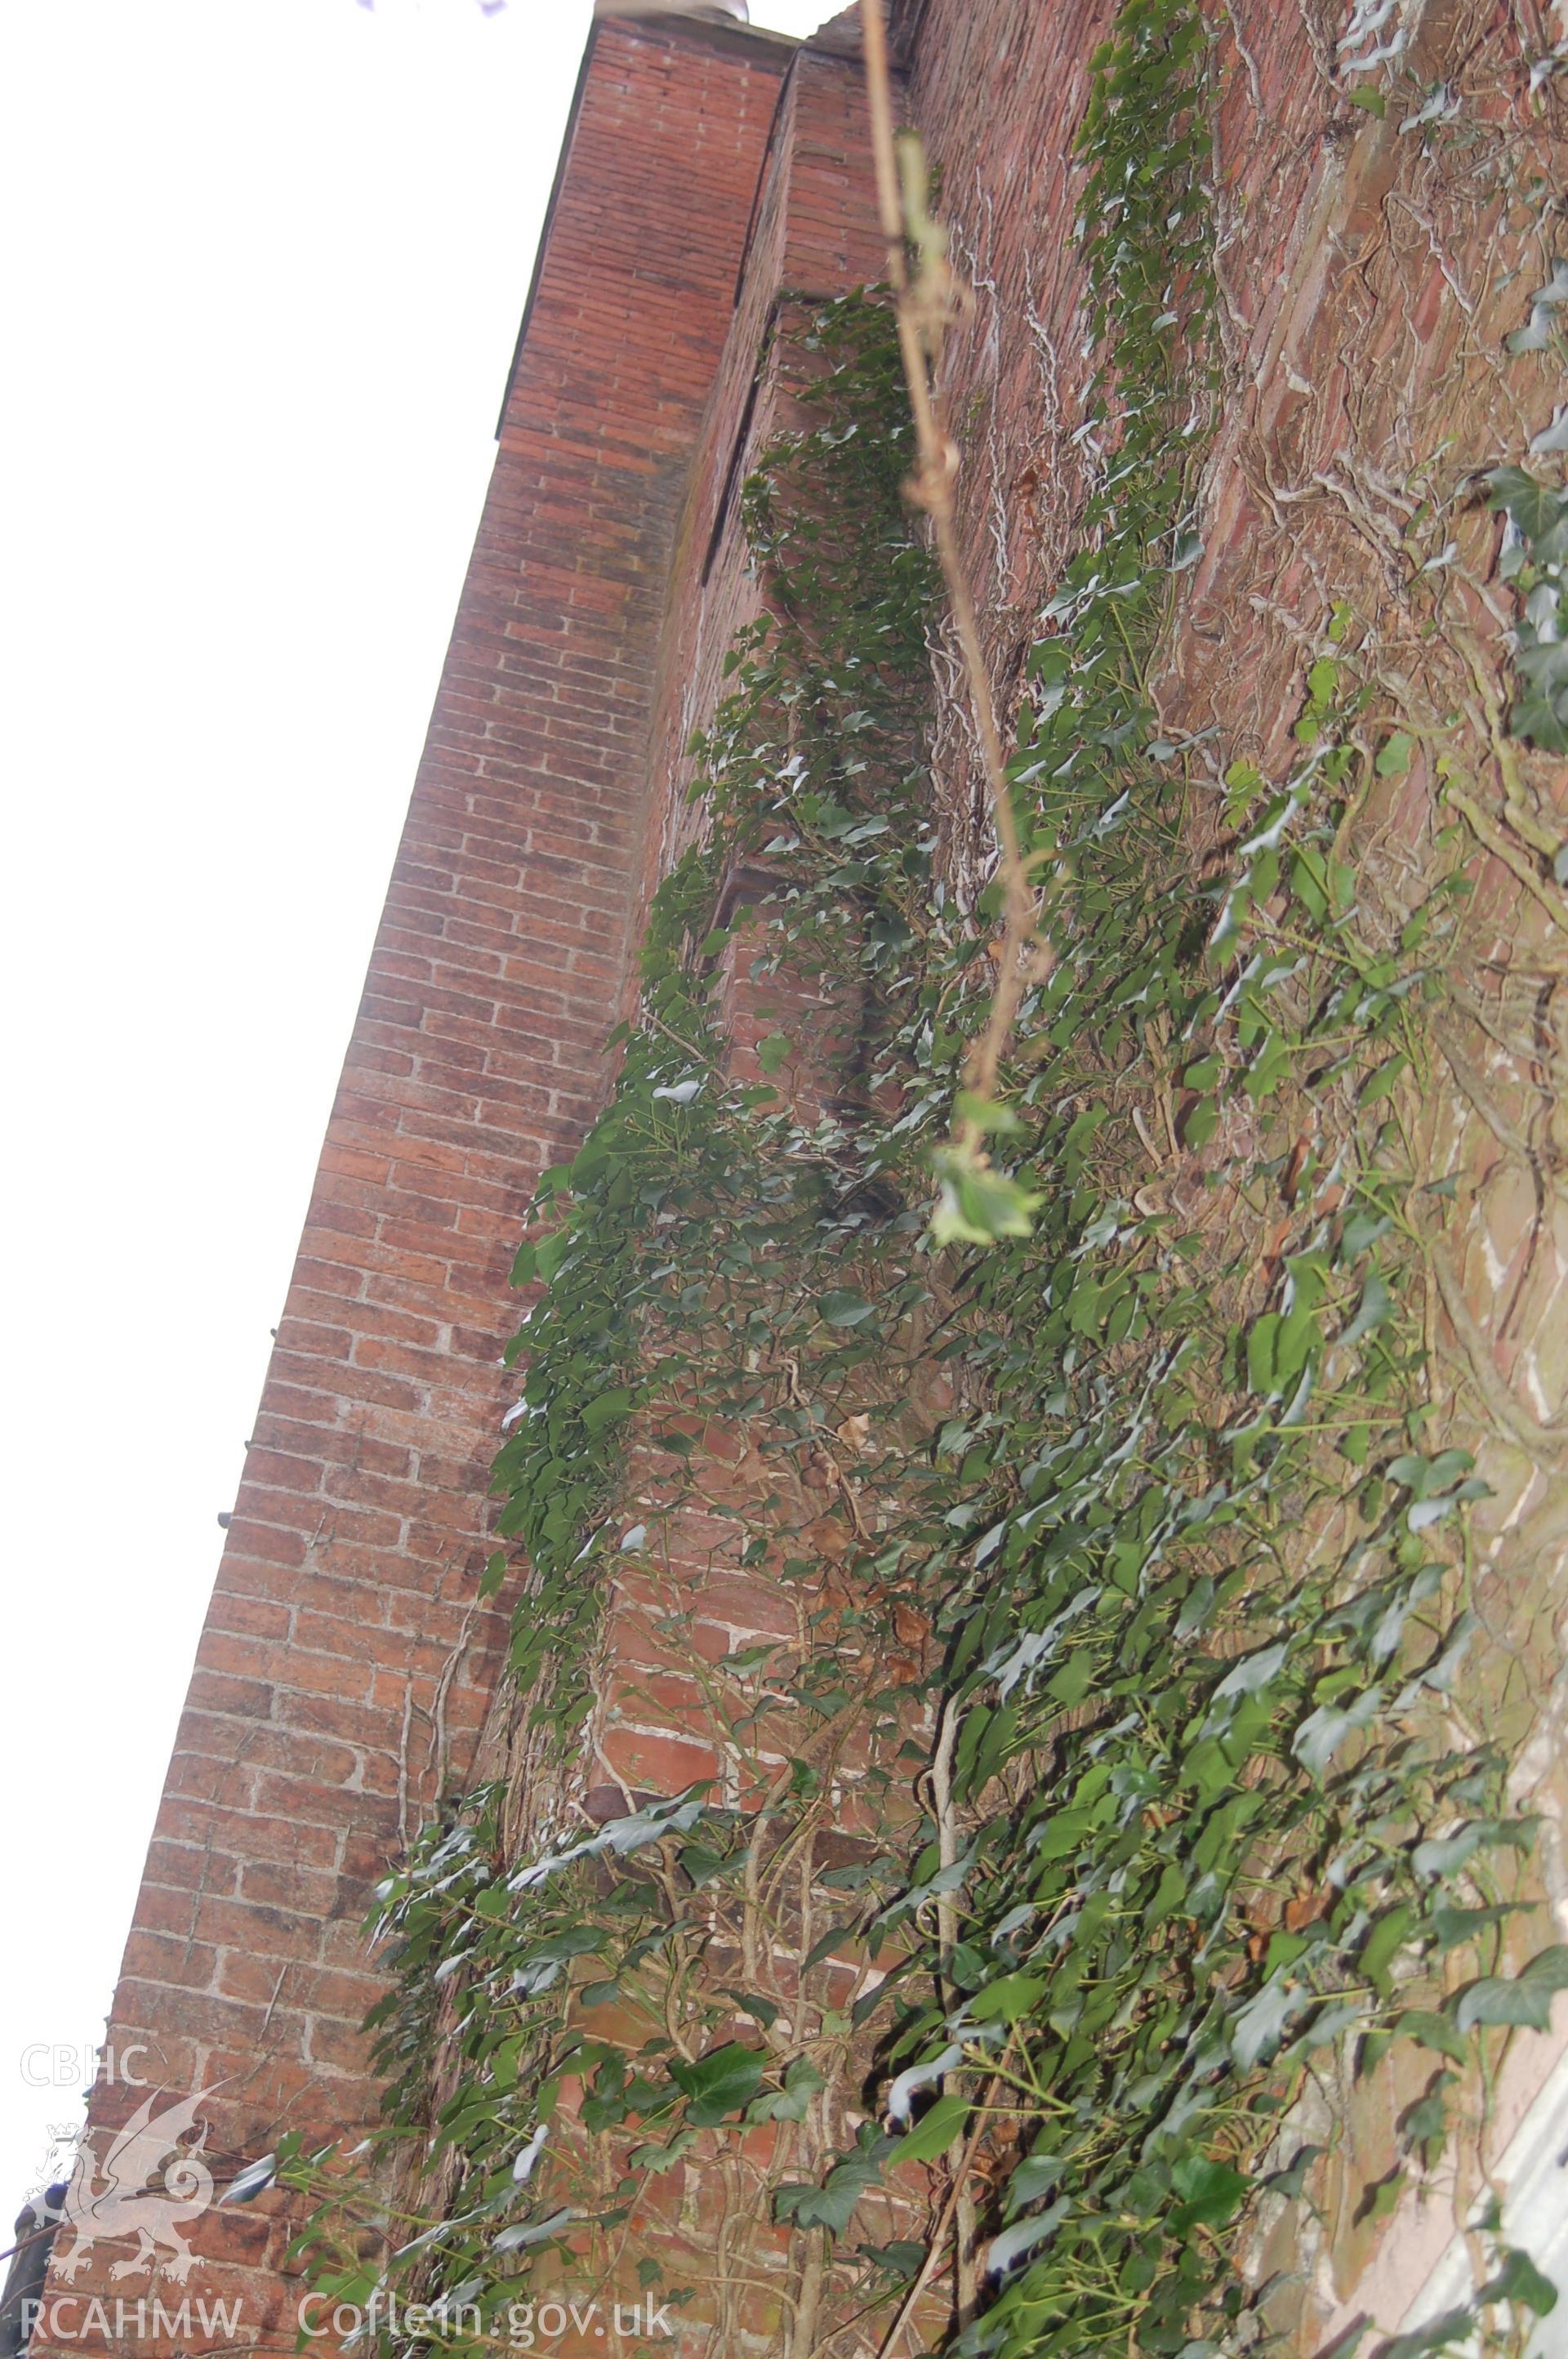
pixel 1102 1787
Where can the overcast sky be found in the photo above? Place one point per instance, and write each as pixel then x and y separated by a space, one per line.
pixel 263 267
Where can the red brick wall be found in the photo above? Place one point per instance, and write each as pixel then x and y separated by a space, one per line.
pixel 608 578
pixel 344 1662
pixel 813 234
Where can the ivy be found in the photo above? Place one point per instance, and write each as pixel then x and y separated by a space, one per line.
pixel 1534 551
pixel 1137 1653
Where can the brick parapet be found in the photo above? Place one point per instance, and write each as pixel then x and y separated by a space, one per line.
pixel 345 1665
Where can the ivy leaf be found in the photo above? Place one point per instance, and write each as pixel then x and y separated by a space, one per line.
pixel 656 2158
pixel 1335 2022
pixel 832 2205
pixel 1518 2280
pixel 1211 2192
pixel 1258 2027
pixel 719 2083
pixel 550 1253
pixel 1376 1305
pixel 1384 1942
pixel 1454 2326
pixel 1383 1080
pixel 1072 1683
pixel 920 2076
pixel 1035 2176
pixel 1005 2001
pixel 1450 1927
pixel 1533 718
pixel 1421 1514
pixel 253 2180
pixel 934 2132
pixel 1440 1855
pixel 1425 2124
pixel 986 1114
pixel 1553 438
pixel 531 2232
pixel 765 2011
pixel 1525 1998
pixel 1433 2031
pixel 651 1824
pixel 1253 1671
pixel 900 2260
pixel 773 1052
pixel 802 2082
pixel 1534 506
pixel 1200 1122
pixel 607 1408
pixel 1014 2242
pixel 842 1309
pixel 975 1204
pixel 1323 1732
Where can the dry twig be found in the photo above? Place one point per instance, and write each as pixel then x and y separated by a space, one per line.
pixel 922 304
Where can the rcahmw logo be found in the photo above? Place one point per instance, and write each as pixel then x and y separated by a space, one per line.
pixel 72 2317
pixel 152 2186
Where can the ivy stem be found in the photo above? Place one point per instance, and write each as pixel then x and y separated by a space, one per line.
pixel 967 2281
pixel 921 309
pixel 945 2220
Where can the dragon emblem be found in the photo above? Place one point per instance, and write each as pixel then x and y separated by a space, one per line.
pixel 151 2185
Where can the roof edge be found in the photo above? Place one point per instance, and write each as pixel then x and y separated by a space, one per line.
pixel 696 32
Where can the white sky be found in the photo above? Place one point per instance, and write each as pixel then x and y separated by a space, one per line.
pixel 262 266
